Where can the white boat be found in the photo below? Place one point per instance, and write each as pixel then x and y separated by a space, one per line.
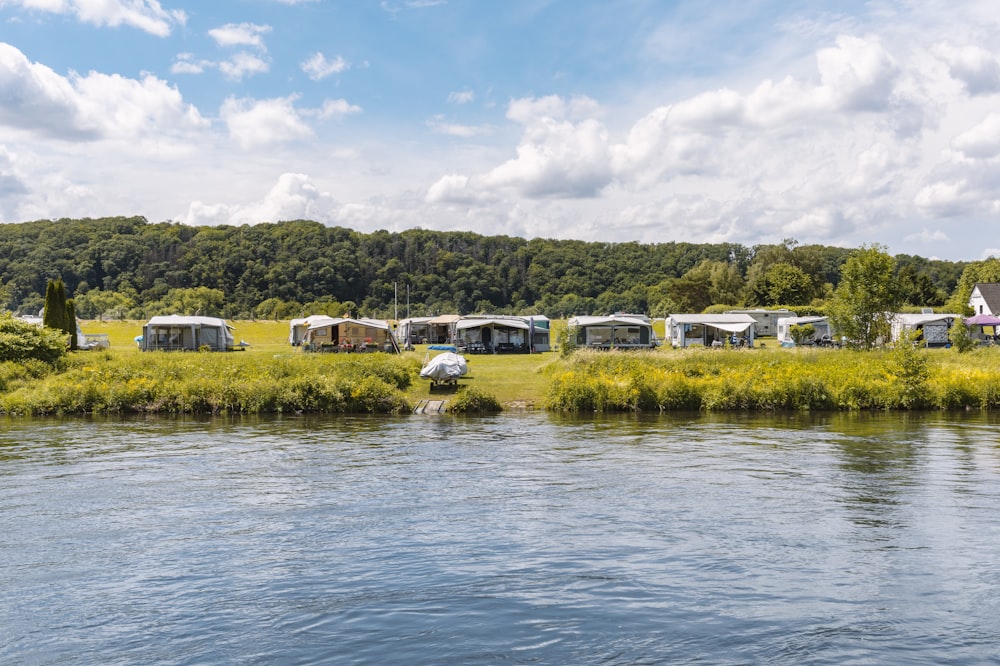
pixel 445 368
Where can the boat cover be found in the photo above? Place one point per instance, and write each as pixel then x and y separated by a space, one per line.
pixel 445 366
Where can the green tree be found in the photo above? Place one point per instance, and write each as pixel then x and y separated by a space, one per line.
pixel 785 284
pixel 96 303
pixel 58 314
pixel 191 301
pixel 960 336
pixel 802 333
pixel 864 302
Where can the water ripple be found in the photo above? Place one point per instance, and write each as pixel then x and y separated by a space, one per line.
pixel 528 538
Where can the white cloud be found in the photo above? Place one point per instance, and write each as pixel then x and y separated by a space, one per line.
pixel 89 107
pixel 186 63
pixel 463 97
pixel 334 108
pixel 928 236
pixel 977 68
pixel 982 141
pixel 438 125
pixel 318 67
pixel 240 34
pixel 255 123
pixel 294 196
pixel 858 74
pixel 146 15
pixel 945 199
pixel 12 184
pixel 242 65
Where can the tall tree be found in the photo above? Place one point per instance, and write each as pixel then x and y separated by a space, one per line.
pixel 864 302
pixel 57 313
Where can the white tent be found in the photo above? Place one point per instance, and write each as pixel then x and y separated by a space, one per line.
pixel 180 332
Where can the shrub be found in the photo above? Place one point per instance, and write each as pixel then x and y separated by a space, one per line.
pixel 471 400
pixel 20 341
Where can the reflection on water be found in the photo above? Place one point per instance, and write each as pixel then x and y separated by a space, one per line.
pixel 683 538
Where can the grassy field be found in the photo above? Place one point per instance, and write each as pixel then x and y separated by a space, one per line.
pixel 516 380
pixel 768 378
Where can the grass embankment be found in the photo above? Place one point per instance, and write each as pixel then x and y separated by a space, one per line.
pixel 269 377
pixel 209 383
pixel 780 379
pixel 272 377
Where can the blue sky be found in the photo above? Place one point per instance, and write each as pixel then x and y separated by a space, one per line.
pixel 840 123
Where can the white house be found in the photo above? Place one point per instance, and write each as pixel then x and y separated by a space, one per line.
pixel 708 330
pixel 985 299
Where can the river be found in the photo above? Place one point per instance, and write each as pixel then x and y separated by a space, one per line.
pixel 521 538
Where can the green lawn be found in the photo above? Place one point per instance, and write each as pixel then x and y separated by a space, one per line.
pixel 515 380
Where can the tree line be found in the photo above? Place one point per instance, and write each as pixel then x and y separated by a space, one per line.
pixel 128 267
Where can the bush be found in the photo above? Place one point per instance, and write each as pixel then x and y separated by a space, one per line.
pixel 471 400
pixel 21 341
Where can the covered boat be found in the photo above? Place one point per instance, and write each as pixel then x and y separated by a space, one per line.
pixel 445 368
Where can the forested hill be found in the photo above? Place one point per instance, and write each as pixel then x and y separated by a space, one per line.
pixel 287 269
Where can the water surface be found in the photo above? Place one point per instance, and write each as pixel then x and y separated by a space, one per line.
pixel 525 538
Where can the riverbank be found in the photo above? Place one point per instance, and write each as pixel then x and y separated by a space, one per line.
pixel 272 377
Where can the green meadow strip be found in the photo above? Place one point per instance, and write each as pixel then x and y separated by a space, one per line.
pixel 769 380
pixel 209 383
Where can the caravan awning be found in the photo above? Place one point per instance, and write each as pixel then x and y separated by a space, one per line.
pixel 497 323
pixel 443 320
pixel 732 328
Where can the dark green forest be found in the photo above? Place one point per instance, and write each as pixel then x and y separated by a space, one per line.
pixel 128 267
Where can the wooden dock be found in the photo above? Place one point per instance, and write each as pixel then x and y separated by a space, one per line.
pixel 430 407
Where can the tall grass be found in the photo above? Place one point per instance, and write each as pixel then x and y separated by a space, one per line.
pixel 213 383
pixel 767 380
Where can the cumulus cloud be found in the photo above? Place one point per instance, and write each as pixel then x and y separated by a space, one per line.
pixel 146 15
pixel 240 34
pixel 928 236
pixel 293 196
pixel 187 63
pixel 858 74
pixel 318 67
pixel 95 106
pixel 256 123
pixel 11 183
pixel 946 198
pixel 243 65
pixel 705 145
pixel 977 68
pixel 981 141
pixel 333 108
